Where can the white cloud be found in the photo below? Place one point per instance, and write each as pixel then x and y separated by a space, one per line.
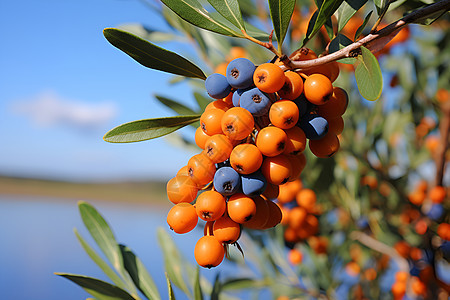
pixel 48 109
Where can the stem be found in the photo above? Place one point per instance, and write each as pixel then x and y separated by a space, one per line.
pixel 370 40
pixel 268 45
pixel 444 129
pixel 380 18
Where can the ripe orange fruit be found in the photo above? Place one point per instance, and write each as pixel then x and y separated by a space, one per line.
pixel 326 146
pixel 284 114
pixel 218 148
pixel 200 138
pixel 295 257
pixel 298 163
pixel 306 198
pixel 209 252
pixel 181 188
pixel 183 171
pixel 297 216
pixel 330 70
pixel 272 191
pixel 210 121
pixel 352 268
pixel 218 104
pixel 402 248
pixel 303 54
pixel 293 86
pixel 261 216
pixel 275 215
pixel 271 141
pixel 437 194
pixel 246 158
pixel 210 205
pixel 182 217
pixel 296 141
pixel 241 208
pixel 417 197
pixel 269 78
pixel 237 123
pixel 443 231
pixel 277 169
pixel 226 230
pixel 318 89
pixel 201 169
pixel 336 125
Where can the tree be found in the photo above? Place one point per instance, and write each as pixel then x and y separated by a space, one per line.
pixel 364 219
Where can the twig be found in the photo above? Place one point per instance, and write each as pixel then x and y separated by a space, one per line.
pixel 444 129
pixel 370 40
pixel 268 45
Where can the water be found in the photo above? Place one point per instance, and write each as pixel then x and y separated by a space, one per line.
pixel 37 240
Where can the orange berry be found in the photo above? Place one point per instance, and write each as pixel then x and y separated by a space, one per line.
pixel 182 217
pixel 290 235
pixel 418 287
pixel 200 138
pixel 237 52
pixel 181 188
pixel 201 169
pixel 421 227
pixel 295 257
pixel 318 89
pixel 285 194
pixel 415 253
pixel 210 121
pixel 306 198
pixel 443 231
pixel 275 215
pixel 241 208
pixel 336 125
pixel 246 158
pixel 296 141
pixel 271 141
pixel 277 169
pixel 209 252
pixel 218 104
pixel 226 230
pixel 370 274
pixel 183 171
pixel 402 248
pixel 218 148
pixel 401 276
pixel 330 70
pixel 221 68
pixel 296 217
pixel 210 205
pixel 261 216
pixel 303 54
pixel 284 114
pixel 352 268
pixel 293 86
pixel 432 143
pixel 398 289
pixel 437 194
pixel 269 78
pixel 326 146
pixel 298 163
pixel 417 197
pixel 442 95
pixel 237 123
pixel 272 191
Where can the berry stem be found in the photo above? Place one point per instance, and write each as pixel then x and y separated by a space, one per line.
pixel 373 40
pixel 268 45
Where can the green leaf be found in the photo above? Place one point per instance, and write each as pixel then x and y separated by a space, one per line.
pixel 98 288
pixel 198 295
pixel 217 287
pixel 361 28
pixel 325 12
pixel 172 260
pixel 139 274
pixel 347 9
pixel 100 262
pixel 152 56
pixel 368 75
pixel 193 12
pixel 280 13
pixel 339 42
pixel 169 288
pixel 428 20
pixel 230 10
pixel 147 129
pixel 175 106
pixel 380 5
pixel 202 101
pixel 102 234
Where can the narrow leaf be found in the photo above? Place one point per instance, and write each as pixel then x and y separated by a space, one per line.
pixel 169 288
pixel 100 262
pixel 139 274
pixel 101 233
pixel 202 100
pixel 216 288
pixel 147 129
pixel 368 75
pixel 325 12
pixel 198 294
pixel 346 11
pixel 380 5
pixel 175 106
pixel 230 10
pixel 152 56
pixel 280 13
pixel 98 288
pixel 172 260
pixel 193 12
pixel 361 28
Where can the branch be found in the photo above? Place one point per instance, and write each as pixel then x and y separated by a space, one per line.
pixel 444 129
pixel 372 40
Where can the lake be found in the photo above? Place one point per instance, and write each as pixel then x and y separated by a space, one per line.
pixel 37 240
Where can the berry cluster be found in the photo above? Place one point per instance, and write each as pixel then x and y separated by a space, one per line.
pixel 252 137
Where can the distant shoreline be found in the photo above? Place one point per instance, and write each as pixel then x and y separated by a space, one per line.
pixel 150 192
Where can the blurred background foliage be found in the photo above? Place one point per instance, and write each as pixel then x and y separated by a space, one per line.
pixel 375 209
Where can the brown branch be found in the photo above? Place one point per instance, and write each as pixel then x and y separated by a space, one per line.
pixel 444 129
pixel 370 41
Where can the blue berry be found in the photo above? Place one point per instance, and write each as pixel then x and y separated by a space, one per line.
pixel 217 86
pixel 253 184
pixel 237 96
pixel 314 126
pixel 227 181
pixel 255 101
pixel 304 106
pixel 240 73
pixel 435 212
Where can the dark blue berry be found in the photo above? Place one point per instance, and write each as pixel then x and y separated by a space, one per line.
pixel 255 101
pixel 217 86
pixel 240 73
pixel 314 126
pixel 253 184
pixel 227 181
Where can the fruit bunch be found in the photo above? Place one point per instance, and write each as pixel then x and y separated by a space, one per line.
pixel 252 138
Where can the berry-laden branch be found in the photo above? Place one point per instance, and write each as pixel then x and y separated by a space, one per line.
pixel 376 40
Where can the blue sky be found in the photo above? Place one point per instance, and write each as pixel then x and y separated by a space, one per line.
pixel 63 86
